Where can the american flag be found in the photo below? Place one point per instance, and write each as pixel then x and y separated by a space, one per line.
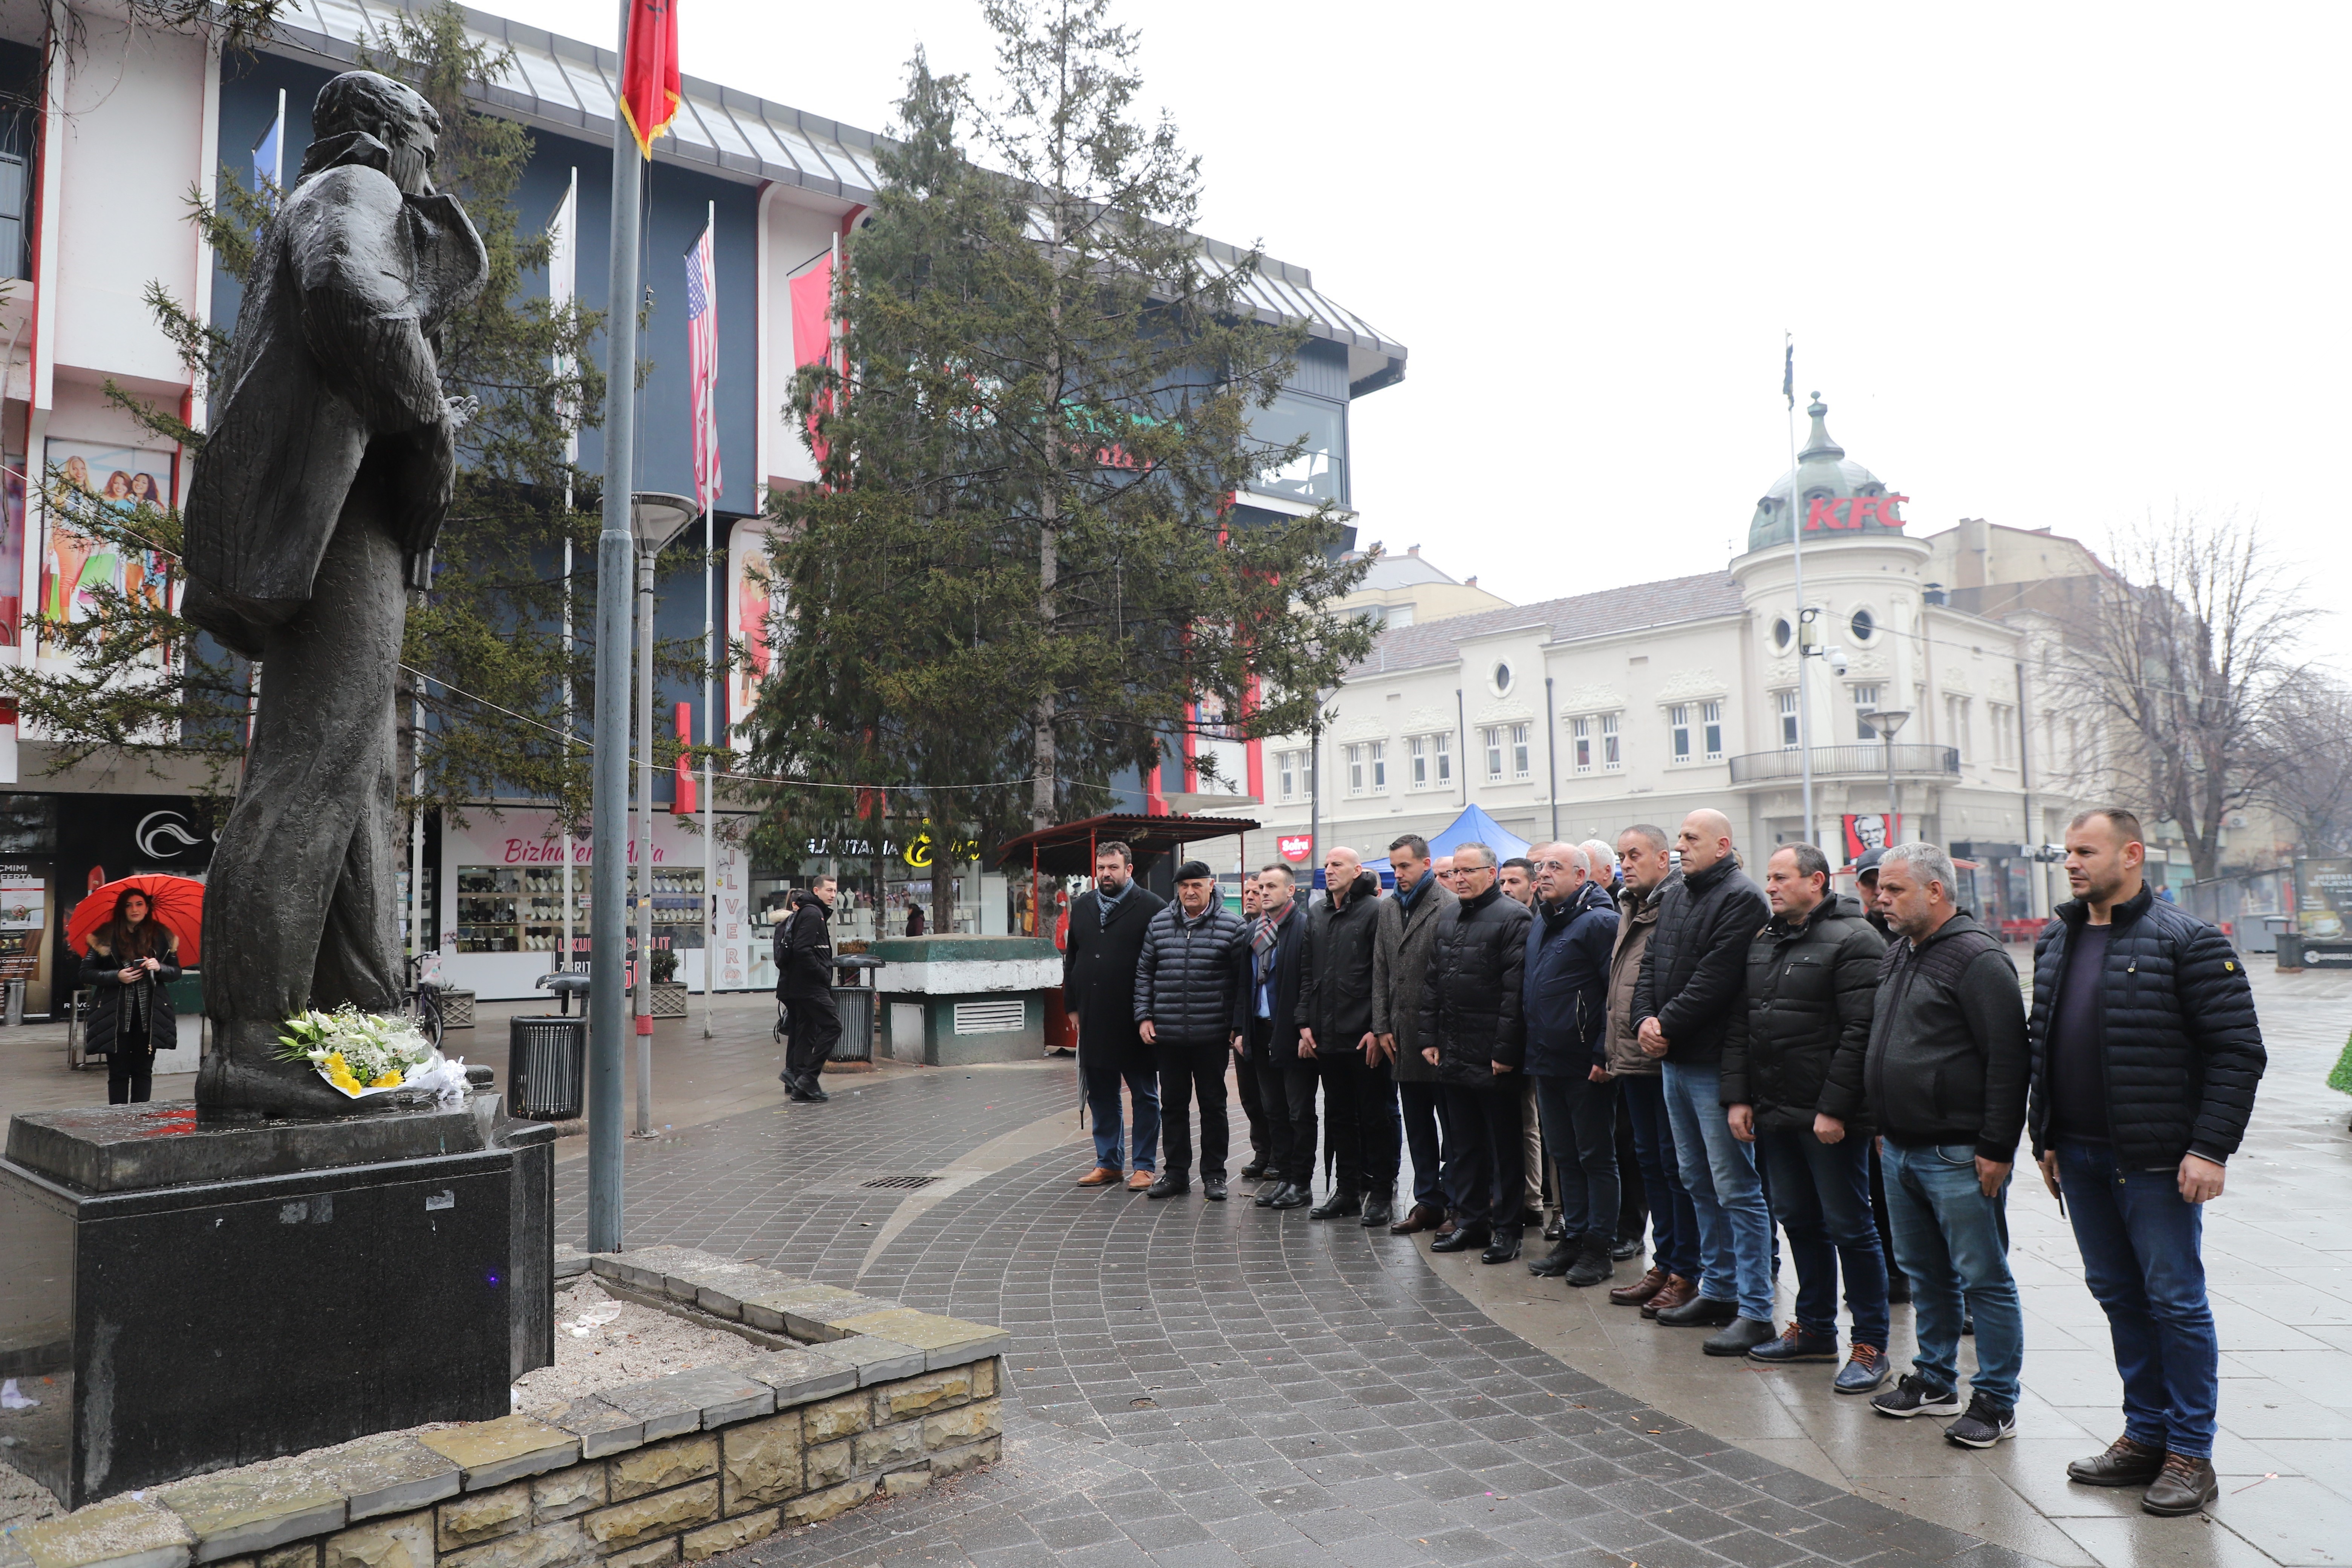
pixel 702 369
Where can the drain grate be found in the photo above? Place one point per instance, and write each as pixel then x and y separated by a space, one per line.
pixel 900 1182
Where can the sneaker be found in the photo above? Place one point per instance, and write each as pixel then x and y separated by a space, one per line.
pixel 1592 1265
pixel 1864 1372
pixel 1796 1347
pixel 1984 1425
pixel 1914 1395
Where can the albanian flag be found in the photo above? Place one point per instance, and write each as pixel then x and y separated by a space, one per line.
pixel 649 92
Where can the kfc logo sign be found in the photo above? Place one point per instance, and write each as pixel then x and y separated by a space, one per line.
pixel 1295 847
pixel 1825 513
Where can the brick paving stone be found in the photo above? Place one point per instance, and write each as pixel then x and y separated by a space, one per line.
pixel 1196 1384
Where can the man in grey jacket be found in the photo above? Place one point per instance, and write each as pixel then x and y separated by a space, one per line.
pixel 1400 965
pixel 1188 987
pixel 1946 1075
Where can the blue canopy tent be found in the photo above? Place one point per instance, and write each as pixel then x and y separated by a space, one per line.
pixel 1473 826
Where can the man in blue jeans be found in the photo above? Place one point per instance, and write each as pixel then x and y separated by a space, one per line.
pixel 1792 1075
pixel 2132 992
pixel 1689 984
pixel 1946 1078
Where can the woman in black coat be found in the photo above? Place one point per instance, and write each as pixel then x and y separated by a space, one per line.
pixel 131 960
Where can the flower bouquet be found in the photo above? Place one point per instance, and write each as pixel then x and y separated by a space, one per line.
pixel 358 1053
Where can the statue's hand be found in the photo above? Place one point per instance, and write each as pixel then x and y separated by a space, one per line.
pixel 457 412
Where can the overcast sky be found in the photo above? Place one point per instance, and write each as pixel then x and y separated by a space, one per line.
pixel 2056 267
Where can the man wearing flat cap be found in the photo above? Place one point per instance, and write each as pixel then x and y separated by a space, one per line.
pixel 316 501
pixel 1189 984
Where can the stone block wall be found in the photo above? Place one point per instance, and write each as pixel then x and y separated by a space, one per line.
pixel 679 1468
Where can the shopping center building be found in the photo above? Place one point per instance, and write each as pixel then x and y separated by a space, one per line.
pixel 93 208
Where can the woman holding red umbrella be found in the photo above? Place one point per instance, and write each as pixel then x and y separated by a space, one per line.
pixel 132 959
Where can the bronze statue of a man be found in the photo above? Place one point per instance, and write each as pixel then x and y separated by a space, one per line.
pixel 313 511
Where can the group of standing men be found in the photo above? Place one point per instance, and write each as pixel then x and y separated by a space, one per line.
pixel 1851 1073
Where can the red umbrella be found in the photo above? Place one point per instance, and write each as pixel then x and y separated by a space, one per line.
pixel 178 902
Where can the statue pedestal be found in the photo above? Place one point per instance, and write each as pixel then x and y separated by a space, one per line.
pixel 183 1295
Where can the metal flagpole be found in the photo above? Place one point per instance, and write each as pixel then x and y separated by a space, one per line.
pixel 709 714
pixel 609 826
pixel 562 271
pixel 643 973
pixel 1796 553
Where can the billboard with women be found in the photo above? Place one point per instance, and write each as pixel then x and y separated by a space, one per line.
pixel 79 567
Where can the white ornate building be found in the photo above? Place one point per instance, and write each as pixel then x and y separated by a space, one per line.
pixel 1575 718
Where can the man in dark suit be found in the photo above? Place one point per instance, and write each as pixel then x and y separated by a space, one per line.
pixel 1106 931
pixel 1285 1083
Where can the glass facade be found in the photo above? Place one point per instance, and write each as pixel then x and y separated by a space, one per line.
pixel 1319 470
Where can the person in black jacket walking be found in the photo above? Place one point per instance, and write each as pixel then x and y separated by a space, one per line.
pixel 1566 980
pixel 1286 1084
pixel 1188 990
pixel 1946 1079
pixel 805 986
pixel 1683 1001
pixel 2146 1055
pixel 1335 1017
pixel 1106 943
pixel 1474 1033
pixel 132 958
pixel 1793 1082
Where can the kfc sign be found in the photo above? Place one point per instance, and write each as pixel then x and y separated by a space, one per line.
pixel 1825 513
pixel 1295 847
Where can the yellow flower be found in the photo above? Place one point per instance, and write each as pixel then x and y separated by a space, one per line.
pixel 389 1080
pixel 335 1063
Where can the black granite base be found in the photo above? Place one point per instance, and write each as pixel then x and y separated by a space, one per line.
pixel 170 1330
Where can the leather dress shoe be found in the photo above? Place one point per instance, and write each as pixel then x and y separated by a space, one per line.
pixel 2125 1464
pixel 1641 1289
pixel 1253 1172
pixel 1504 1245
pixel 1701 1312
pixel 1420 1217
pixel 1461 1238
pixel 1556 1229
pixel 1795 1347
pixel 1291 1195
pixel 1624 1250
pixel 1213 1188
pixel 1865 1371
pixel 1555 1262
pixel 1266 1195
pixel 1101 1176
pixel 1676 1291
pixel 1740 1336
pixel 1380 1209
pixel 1169 1185
pixel 1341 1205
pixel 1448 1225
pixel 2184 1485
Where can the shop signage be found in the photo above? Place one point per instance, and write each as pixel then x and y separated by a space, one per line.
pixel 918 850
pixel 1871 830
pixel 1295 847
pixel 550 851
pixel 164 836
pixel 1827 513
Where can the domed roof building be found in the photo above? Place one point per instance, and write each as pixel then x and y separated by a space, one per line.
pixel 1827 484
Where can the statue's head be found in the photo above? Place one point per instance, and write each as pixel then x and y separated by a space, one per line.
pixel 395 114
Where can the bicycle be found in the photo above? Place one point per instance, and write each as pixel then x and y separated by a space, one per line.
pixel 425 997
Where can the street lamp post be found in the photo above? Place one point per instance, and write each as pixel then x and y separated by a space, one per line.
pixel 655 519
pixel 1886 721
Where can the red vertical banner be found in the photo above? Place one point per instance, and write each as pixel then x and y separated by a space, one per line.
pixel 682 793
pixel 812 327
pixel 649 79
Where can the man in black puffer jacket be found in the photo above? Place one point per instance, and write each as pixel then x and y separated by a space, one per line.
pixel 1682 1003
pixel 1335 1017
pixel 2146 1055
pixel 1473 1034
pixel 1792 1084
pixel 1188 990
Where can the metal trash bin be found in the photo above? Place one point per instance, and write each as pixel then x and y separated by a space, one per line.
pixel 856 1005
pixel 547 1068
pixel 12 1004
